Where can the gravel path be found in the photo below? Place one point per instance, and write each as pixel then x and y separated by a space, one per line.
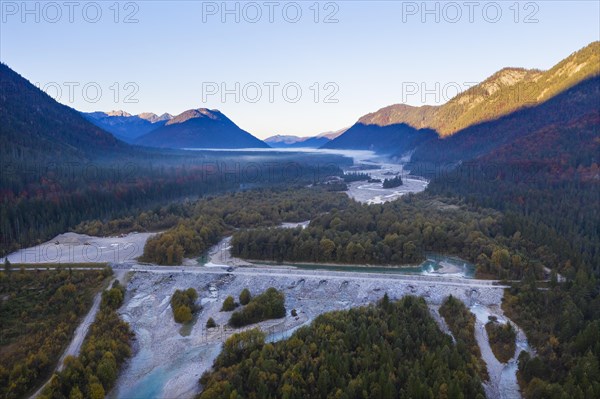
pixel 81 331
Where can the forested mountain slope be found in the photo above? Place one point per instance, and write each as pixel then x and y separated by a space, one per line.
pixel 510 104
pixel 35 128
pixel 506 91
pixel 548 184
pixel 478 140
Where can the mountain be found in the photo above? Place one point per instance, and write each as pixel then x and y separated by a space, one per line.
pixel 200 128
pixel 35 128
pixel 546 182
pixel 125 126
pixel 504 92
pixel 397 139
pixel 279 141
pixel 483 138
pixel 560 150
pixel 153 118
pixel 332 135
pixel 283 140
pixel 487 115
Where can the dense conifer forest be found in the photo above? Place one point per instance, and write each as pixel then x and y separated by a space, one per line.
pixel 195 226
pixel 388 350
pixel 462 325
pixel 398 233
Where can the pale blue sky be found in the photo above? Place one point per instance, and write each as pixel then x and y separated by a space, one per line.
pixel 372 54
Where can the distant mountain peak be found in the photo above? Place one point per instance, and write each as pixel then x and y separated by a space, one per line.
pixel 214 114
pixel 153 118
pixel 126 126
pixel 118 113
pixel 200 128
pixel 285 139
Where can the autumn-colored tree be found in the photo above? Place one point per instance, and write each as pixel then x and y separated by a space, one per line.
pixel 183 305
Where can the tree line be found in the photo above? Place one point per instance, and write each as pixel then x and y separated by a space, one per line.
pixel 42 198
pixel 396 233
pixel 200 224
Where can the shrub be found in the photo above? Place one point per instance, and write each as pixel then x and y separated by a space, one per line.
pixel 210 323
pixel 183 305
pixel 228 304
pixel 182 314
pixel 245 296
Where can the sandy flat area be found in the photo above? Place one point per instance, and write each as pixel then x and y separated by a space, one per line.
pixel 81 248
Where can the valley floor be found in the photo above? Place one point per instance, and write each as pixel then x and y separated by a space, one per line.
pixel 169 359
